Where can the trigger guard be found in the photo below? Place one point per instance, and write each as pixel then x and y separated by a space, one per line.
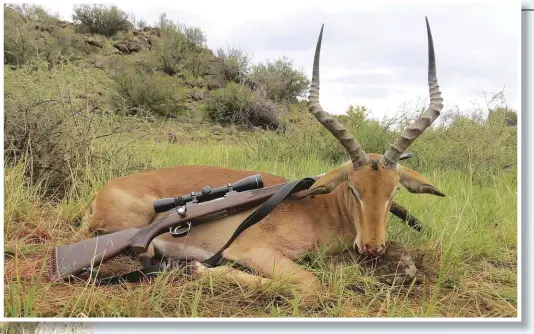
pixel 180 230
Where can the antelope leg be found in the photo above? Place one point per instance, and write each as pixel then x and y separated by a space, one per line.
pixel 268 262
pixel 231 275
pixel 146 258
pixel 401 212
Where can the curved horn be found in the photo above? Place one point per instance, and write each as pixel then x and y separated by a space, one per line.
pixel 355 150
pixel 418 126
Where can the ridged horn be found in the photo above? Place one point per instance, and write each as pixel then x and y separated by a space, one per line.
pixel 392 155
pixel 355 150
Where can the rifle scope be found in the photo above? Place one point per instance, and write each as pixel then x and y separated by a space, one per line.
pixel 207 193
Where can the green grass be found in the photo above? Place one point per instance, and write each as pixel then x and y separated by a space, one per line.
pixel 466 254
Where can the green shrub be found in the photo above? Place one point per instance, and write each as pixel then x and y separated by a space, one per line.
pixel 63 45
pixel 32 12
pixel 18 39
pixel 280 80
pixel 100 19
pixel 237 104
pixel 503 115
pixel 261 112
pixel 306 139
pixel 181 49
pixel 478 147
pixel 172 46
pixel 373 135
pixel 198 64
pixel 195 36
pixel 141 90
pixel 50 128
pixel 225 103
pixel 138 24
pixel 230 65
pixel 30 33
pixel 141 24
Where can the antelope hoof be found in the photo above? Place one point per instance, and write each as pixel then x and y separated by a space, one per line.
pixel 374 251
pixel 198 269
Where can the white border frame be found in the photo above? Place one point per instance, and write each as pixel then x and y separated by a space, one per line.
pixel 518 319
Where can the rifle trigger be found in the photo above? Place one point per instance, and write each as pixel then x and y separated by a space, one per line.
pixel 180 230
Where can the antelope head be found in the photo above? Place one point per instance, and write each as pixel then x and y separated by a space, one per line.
pixel 368 182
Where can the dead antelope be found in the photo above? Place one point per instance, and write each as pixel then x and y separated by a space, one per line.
pixel 348 204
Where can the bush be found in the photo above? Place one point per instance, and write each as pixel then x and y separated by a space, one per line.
pixel 198 64
pixel 373 135
pixel 181 48
pixel 141 24
pixel 172 46
pixel 281 82
pixel 141 90
pixel 100 19
pixel 478 147
pixel 30 33
pixel 237 104
pixel 305 136
pixel 224 103
pixel 503 115
pixel 195 36
pixel 230 65
pixel 31 12
pixel 138 24
pixel 24 25
pixel 18 39
pixel 50 129
pixel 261 112
pixel 63 45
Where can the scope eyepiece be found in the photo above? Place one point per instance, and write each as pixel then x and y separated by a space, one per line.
pixel 248 183
pixel 165 204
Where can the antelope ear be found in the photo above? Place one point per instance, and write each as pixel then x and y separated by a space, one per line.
pixel 417 183
pixel 330 180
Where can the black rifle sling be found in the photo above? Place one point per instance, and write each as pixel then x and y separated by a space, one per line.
pixel 260 213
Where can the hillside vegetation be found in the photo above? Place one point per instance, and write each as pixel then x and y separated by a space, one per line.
pixel 106 96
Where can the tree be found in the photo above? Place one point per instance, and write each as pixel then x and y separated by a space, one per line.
pixel 100 19
pixel 280 80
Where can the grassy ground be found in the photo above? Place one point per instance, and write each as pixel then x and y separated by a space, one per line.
pixel 466 254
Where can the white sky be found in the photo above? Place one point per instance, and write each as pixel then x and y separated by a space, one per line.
pixel 373 54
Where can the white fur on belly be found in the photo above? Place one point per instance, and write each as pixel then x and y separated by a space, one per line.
pixel 180 251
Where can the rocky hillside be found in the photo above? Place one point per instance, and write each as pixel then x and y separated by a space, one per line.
pixel 160 70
